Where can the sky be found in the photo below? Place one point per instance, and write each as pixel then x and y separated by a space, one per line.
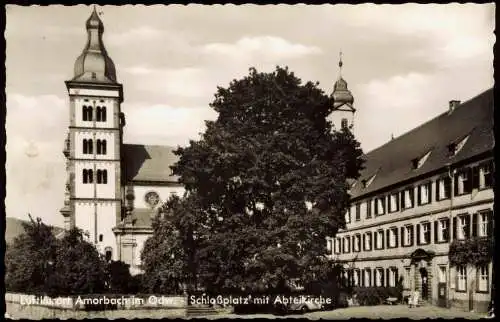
pixel 403 64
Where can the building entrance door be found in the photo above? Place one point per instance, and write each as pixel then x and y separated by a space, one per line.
pixel 425 283
pixel 442 294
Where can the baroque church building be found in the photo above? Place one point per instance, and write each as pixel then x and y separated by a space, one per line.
pixel 114 189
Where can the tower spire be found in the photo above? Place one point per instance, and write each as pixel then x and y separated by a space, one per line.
pixel 340 63
pixel 94 64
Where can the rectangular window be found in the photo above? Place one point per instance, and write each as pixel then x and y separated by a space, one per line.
pixel 379 275
pixel 392 240
pixel 463 182
pixel 368 209
pixel 484 223
pixel 407 278
pixel 348 215
pixel 338 245
pixel 443 188
pixel 380 206
pixel 425 233
pixel 442 274
pixel 407 235
pixel 407 198
pixel 357 243
pixel 461 278
pixel 424 194
pixel 482 278
pixel 329 247
pixel 393 202
pixel 443 230
pixel 463 226
pixel 486 175
pixel 368 277
pixel 367 241
pixel 392 274
pixel 347 244
pixel 379 239
pixel 356 277
pixel 358 212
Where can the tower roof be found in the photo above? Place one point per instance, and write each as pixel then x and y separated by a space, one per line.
pixel 94 65
pixel 341 94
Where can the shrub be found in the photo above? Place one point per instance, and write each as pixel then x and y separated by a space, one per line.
pixel 376 295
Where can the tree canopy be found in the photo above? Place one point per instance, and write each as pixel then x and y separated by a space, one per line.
pixel 38 263
pixel 269 177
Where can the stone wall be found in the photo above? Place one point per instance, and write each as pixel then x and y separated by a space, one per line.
pixel 31 307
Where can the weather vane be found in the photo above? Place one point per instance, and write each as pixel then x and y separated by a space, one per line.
pixel 340 62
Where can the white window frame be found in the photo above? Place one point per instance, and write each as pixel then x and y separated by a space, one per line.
pixel 484 170
pixel 461 223
pixel 462 177
pixel 347 244
pixel 357 243
pixel 407 235
pixel 423 231
pixel 393 202
pixel 425 187
pixel 461 278
pixel 391 243
pixel 368 241
pixel 406 196
pixel 392 277
pixel 379 272
pixel 380 207
pixel 482 224
pixel 338 245
pixel 367 276
pixel 356 277
pixel 483 278
pixel 380 239
pixel 441 226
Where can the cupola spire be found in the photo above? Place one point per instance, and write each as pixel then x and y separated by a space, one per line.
pixel 341 95
pixel 94 65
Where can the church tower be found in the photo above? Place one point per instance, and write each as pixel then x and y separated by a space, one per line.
pixel 343 103
pixel 93 144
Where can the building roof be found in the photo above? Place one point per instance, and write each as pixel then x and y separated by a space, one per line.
pixel 141 218
pixel 94 64
pixel 149 163
pixel 392 162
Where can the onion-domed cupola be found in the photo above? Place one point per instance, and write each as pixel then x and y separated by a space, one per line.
pixel 341 94
pixel 94 65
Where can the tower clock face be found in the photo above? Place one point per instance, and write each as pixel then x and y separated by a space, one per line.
pixel 152 199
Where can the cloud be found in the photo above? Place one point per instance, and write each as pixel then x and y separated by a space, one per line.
pixel 143 33
pixel 35 168
pixel 264 47
pixel 183 82
pixel 164 124
pixel 395 105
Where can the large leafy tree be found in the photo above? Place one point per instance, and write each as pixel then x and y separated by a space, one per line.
pixel 78 268
pixel 271 176
pixel 169 257
pixel 28 259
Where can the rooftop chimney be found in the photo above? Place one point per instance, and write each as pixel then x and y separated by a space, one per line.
pixel 453 105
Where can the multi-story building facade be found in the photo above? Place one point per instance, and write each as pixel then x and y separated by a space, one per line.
pixel 416 195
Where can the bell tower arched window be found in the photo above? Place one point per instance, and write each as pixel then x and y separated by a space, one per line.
pixel 101 114
pixel 88 146
pixel 101 146
pixel 87 113
pixel 88 176
pixel 102 176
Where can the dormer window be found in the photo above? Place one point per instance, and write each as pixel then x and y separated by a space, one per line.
pixel 418 162
pixel 455 147
pixel 366 183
